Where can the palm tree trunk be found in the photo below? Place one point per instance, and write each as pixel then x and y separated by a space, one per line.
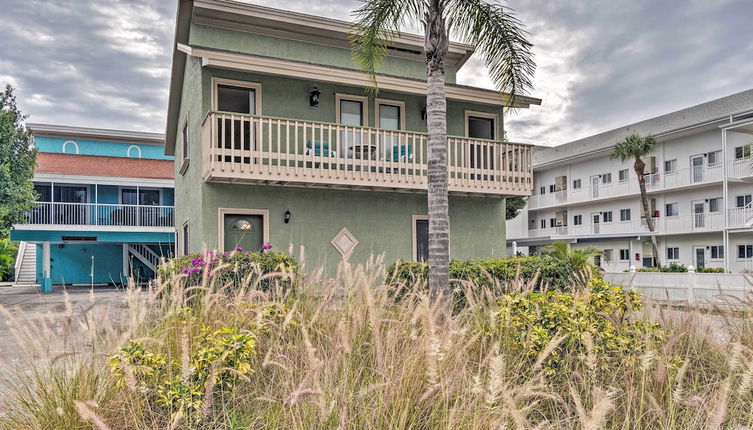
pixel 436 46
pixel 639 167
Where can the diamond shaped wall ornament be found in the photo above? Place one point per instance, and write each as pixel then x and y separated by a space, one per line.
pixel 344 242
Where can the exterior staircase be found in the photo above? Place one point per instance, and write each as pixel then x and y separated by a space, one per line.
pixel 26 263
pixel 145 254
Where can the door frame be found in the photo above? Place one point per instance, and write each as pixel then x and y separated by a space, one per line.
pixel 256 86
pixel 221 212
pixel 692 167
pixel 695 255
pixel 595 221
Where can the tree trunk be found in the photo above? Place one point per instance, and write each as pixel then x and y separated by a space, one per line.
pixel 639 168
pixel 436 45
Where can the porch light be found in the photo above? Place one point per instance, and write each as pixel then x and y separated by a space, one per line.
pixel 287 217
pixel 314 97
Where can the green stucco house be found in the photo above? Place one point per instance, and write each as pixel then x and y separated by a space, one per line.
pixel 277 140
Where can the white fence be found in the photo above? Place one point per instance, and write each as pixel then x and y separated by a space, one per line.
pixel 725 289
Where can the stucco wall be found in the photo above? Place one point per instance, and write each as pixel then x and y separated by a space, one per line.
pixel 381 221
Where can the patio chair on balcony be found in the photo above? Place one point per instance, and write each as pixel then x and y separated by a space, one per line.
pixel 402 153
pixel 319 149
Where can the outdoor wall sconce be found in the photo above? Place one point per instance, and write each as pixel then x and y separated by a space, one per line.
pixel 314 97
pixel 423 113
pixel 287 217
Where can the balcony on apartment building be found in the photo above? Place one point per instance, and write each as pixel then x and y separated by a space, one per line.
pixel 278 151
pixel 107 206
pixel 597 189
pixel 688 223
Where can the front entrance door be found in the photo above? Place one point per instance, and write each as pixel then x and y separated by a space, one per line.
pixel 699 221
pixel 700 256
pixel 244 231
pixel 596 218
pixel 696 163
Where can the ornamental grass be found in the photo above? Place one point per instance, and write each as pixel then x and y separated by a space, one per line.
pixel 343 353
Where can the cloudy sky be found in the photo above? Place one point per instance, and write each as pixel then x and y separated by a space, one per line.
pixel 601 64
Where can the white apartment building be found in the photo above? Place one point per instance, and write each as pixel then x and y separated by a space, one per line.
pixel 699 182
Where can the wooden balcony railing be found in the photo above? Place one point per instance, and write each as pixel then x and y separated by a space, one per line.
pixel 266 150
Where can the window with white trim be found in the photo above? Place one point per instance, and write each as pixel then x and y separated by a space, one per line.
pixel 185 231
pixel 673 253
pixel 576 184
pixel 744 251
pixel 715 204
pixel 624 255
pixel 672 209
pixel 606 178
pixel 717 252
pixel 606 216
pixel 624 175
pixel 743 200
pixel 608 255
pixel 624 214
pixel 670 166
pixel 578 220
pixel 743 152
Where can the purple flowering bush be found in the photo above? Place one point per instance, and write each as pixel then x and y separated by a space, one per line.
pixel 234 267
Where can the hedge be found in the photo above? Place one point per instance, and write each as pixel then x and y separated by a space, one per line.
pixel 240 266
pixel 679 268
pixel 557 274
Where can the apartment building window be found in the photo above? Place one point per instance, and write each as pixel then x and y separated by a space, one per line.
pixel 578 220
pixel 673 253
pixel 543 223
pixel 624 255
pixel 623 175
pixel 552 188
pixel 743 152
pixel 714 157
pixel 560 183
pixel 670 166
pixel 185 147
pixel 742 201
pixel 576 184
pixel 717 252
pixel 672 209
pixel 715 204
pixel 606 216
pixel 744 251
pixel 552 222
pixel 606 178
pixel 608 255
pixel 542 190
pixel 624 214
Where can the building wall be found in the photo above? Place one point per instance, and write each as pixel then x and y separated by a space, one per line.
pixel 381 221
pixel 255 44
pixel 61 145
pixel 72 264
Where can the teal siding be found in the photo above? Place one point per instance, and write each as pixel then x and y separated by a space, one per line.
pixel 101 236
pixel 72 264
pixel 101 148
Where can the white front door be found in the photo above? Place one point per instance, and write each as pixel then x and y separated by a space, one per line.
pixel 699 253
pixel 699 218
pixel 596 218
pixel 594 187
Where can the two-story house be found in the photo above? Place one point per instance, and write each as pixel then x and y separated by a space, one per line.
pixel 278 139
pixel 699 182
pixel 105 207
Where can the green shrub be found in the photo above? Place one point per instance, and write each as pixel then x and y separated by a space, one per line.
pixel 670 268
pixel 235 267
pixel 219 359
pixel 594 323
pixel 710 270
pixel 494 274
pixel 8 251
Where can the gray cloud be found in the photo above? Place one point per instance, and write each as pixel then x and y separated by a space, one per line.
pixel 600 64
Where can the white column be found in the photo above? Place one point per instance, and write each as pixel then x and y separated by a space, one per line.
pixel 46 281
pixel 125 260
pixel 725 201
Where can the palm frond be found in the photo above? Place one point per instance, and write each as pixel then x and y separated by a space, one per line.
pixel 634 146
pixel 376 28
pixel 500 39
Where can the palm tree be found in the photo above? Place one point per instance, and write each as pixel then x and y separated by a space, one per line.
pixel 581 259
pixel 636 147
pixel 502 44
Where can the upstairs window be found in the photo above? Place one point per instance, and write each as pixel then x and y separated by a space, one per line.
pixel 576 184
pixel 606 178
pixel 624 254
pixel 714 157
pixel 623 175
pixel 672 209
pixel 542 190
pixel 715 204
pixel 578 220
pixel 743 152
pixel 608 255
pixel 606 216
pixel 743 200
pixel 673 253
pixel 717 252
pixel 744 251
pixel 186 240
pixel 670 166
pixel 624 214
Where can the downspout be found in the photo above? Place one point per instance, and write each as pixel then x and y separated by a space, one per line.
pixel 725 198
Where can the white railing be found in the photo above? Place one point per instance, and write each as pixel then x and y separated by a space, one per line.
pixel 654 182
pixel 100 214
pixel 720 289
pixel 741 217
pixel 19 259
pixel 741 168
pixel 269 150
pixel 145 254
pixel 675 224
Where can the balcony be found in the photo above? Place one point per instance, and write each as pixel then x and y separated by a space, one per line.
pixel 654 182
pixel 741 217
pixel 241 148
pixel 100 214
pixel 689 223
pixel 741 168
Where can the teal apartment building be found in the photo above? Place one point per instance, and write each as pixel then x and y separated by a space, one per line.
pixel 277 139
pixel 104 210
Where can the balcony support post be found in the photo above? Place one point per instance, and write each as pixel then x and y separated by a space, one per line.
pixel 725 201
pixel 125 262
pixel 45 284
